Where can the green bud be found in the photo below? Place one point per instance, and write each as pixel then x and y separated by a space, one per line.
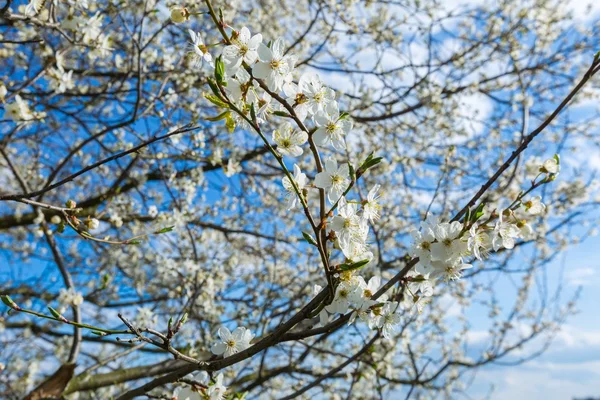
pixel 309 238
pixel 9 302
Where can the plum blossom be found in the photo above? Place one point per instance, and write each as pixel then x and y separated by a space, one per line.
pixel 217 390
pixel 534 206
pixel 331 127
pixel 301 180
pixel 199 51
pixel 289 139
pixel 387 319
pixel 361 296
pixel 317 96
pixel 243 48
pixel 343 296
pixel 61 81
pixel 232 342
pixel 371 206
pixel 347 224
pixel 333 179
pixel 478 242
pixel 274 66
pixel 446 247
pixel 504 234
pixel 551 165
pixel 18 110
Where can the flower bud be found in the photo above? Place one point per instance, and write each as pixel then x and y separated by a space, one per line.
pixel 71 204
pixel 92 224
pixel 179 15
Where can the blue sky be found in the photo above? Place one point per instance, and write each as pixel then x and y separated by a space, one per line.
pixel 571 366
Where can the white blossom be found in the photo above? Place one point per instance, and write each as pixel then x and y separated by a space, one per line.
pixel 333 179
pixel 18 110
pixel 301 180
pixel 243 48
pixel 274 66
pixel 371 206
pixel 199 51
pixel 232 342
pixel 289 140
pixel 534 206
pixel 347 224
pixel 331 127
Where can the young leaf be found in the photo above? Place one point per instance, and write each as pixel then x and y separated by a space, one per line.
pixel 219 117
pixel 219 70
pixel 215 100
pixel 281 114
pixel 230 123
pixel 54 313
pixel 354 266
pixel 309 238
pixel 8 301
pixel 165 230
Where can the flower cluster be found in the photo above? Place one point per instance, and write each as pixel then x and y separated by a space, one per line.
pixel 354 294
pixel 69 297
pixel 18 111
pixel 441 247
pixel 244 68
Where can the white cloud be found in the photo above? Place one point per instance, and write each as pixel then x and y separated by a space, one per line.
pixel 580 276
pixel 542 380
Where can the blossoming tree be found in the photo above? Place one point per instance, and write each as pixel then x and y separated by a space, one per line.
pixel 282 199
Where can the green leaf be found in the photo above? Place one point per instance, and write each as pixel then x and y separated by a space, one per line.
pixel 370 162
pixel 55 313
pixel 183 319
pixel 219 117
pixel 219 70
pixel 281 114
pixel 165 230
pixel 134 242
pixel 309 238
pixel 214 87
pixel 478 212
pixel 344 115
pixel 353 266
pixel 252 112
pixel 215 100
pixel 105 281
pixel 230 123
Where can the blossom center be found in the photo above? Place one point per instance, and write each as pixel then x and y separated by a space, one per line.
pixel 275 64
